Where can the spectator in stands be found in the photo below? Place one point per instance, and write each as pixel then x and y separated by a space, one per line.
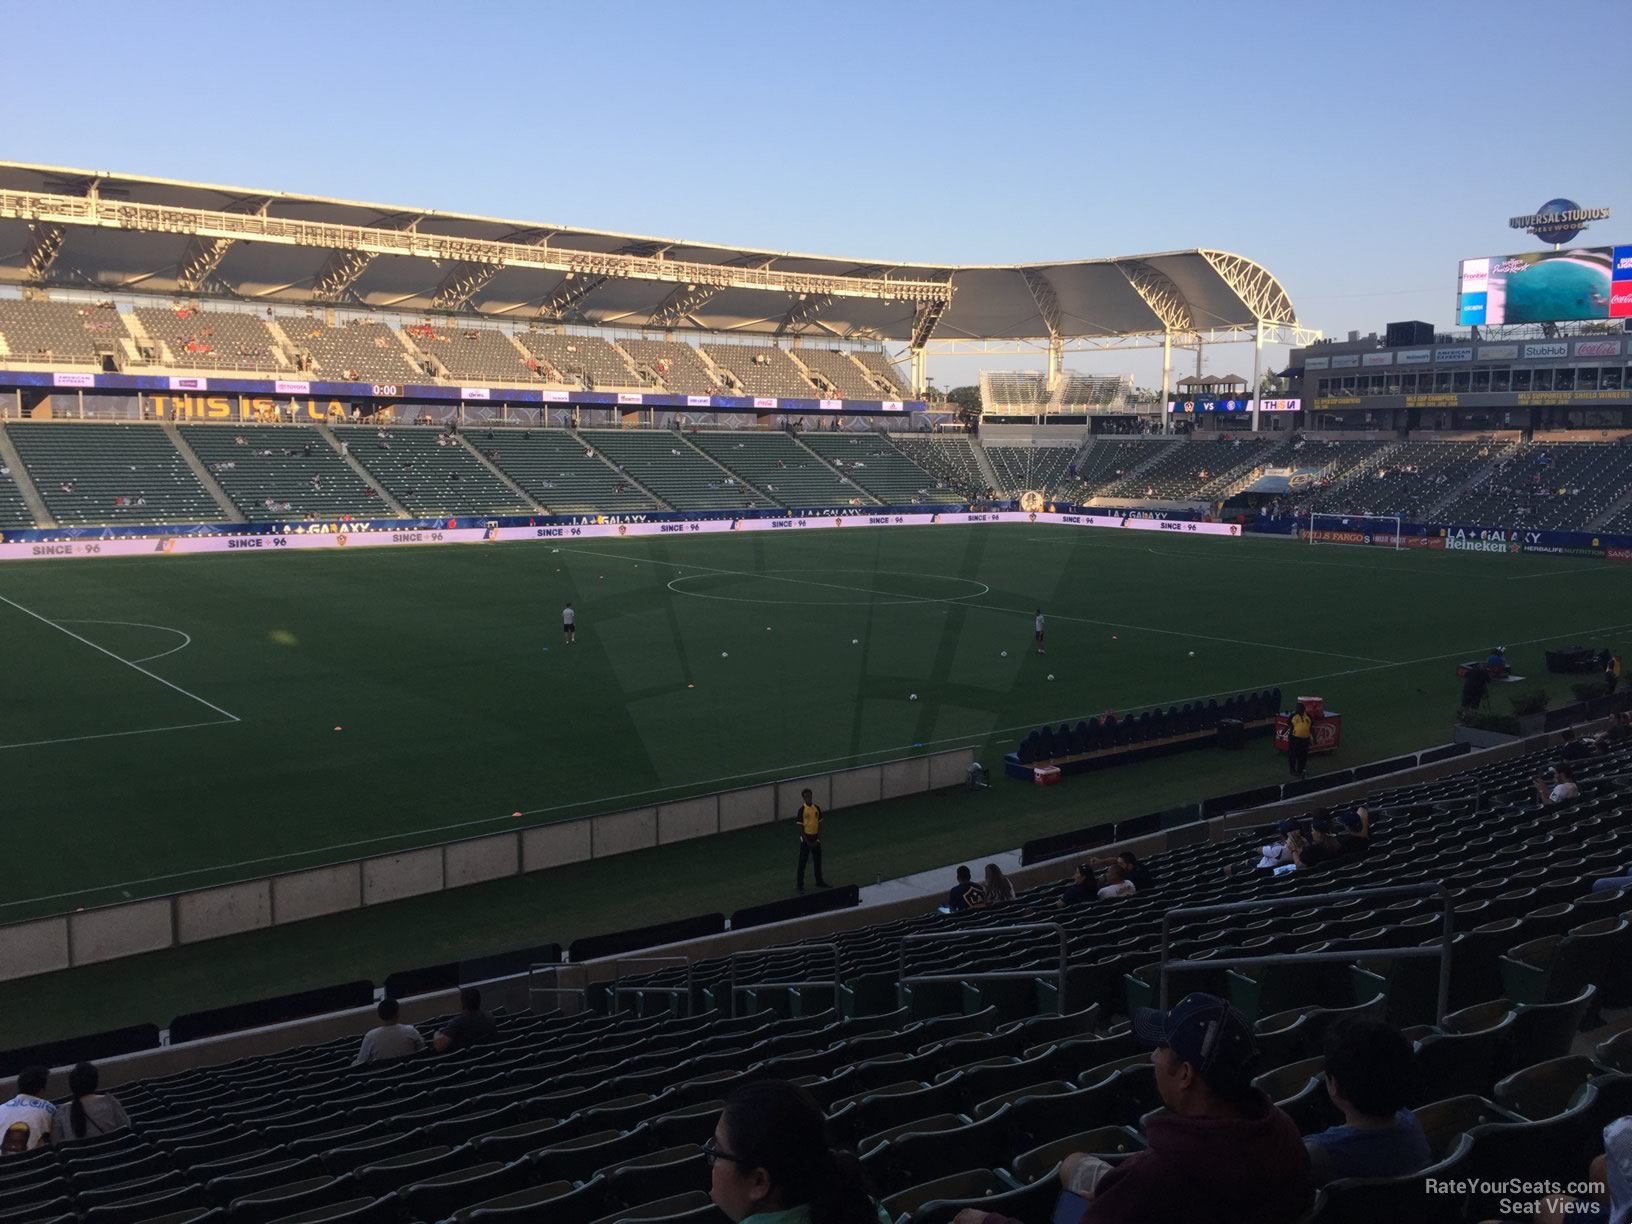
pixel 1610 1175
pixel 770 1160
pixel 471 1027
pixel 1612 672
pixel 1354 829
pixel 90 1113
pixel 1296 844
pixel 1133 871
pixel 1116 884
pixel 1221 1154
pixel 27 1119
pixel 1573 749
pixel 1560 787
pixel 1271 854
pixel 996 887
pixel 1368 1068
pixel 388 1039
pixel 1081 887
pixel 965 893
pixel 1323 846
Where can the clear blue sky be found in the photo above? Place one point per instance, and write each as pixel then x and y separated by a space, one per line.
pixel 1356 150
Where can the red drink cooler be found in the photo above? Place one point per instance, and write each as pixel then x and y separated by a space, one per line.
pixel 1326 733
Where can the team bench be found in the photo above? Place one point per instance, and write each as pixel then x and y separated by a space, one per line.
pixel 1100 742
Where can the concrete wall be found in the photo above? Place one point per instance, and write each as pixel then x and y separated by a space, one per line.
pixel 212 912
pixel 87 936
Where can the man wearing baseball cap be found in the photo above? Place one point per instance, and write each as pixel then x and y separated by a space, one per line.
pixel 1221 1154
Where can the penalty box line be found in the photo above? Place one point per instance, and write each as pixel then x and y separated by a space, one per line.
pixel 226 715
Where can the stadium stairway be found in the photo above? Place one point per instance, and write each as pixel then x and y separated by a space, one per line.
pixel 617 471
pixel 752 455
pixel 499 473
pixel 390 503
pixel 229 511
pixel 24 483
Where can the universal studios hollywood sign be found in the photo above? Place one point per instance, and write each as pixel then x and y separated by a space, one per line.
pixel 1558 221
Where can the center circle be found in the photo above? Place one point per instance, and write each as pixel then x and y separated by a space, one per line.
pixel 827 588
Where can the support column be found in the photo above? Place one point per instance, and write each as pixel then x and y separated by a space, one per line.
pixel 918 367
pixel 1056 358
pixel 1167 377
pixel 1257 371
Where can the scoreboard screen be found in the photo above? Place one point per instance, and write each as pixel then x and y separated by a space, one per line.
pixel 1542 287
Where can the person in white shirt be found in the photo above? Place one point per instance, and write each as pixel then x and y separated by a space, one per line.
pixel 1116 884
pixel 1037 630
pixel 1563 789
pixel 90 1113
pixel 569 623
pixel 389 1039
pixel 25 1120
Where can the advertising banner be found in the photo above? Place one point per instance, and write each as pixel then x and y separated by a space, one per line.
pixel 1597 348
pixel 1414 356
pixel 292 388
pixel 1456 353
pixel 73 380
pixel 1547 349
pixel 353 536
pixel 1377 359
pixel 1317 363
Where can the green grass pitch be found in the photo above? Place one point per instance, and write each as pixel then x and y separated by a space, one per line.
pixel 172 722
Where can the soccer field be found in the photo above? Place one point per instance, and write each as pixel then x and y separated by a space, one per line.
pixel 174 722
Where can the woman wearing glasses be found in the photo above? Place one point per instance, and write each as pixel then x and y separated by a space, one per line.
pixel 771 1162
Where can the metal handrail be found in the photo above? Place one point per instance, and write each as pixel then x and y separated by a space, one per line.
pixel 1442 950
pixel 674 991
pixel 993 975
pixel 556 968
pixel 737 989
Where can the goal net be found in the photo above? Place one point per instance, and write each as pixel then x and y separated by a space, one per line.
pixel 1376 529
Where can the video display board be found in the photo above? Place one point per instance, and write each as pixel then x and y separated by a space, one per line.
pixel 1545 287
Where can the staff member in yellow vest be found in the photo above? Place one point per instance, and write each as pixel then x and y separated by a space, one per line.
pixel 810 839
pixel 1300 730
pixel 1612 671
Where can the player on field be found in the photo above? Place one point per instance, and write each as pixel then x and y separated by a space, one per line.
pixel 1037 629
pixel 569 623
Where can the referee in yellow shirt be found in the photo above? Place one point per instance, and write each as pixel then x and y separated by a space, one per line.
pixel 810 839
pixel 1300 730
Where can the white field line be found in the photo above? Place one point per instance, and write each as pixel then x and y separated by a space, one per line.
pixel 907 600
pixel 186 638
pixel 76 739
pixel 227 714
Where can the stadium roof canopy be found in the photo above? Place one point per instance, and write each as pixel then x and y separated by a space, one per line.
pixel 116 233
